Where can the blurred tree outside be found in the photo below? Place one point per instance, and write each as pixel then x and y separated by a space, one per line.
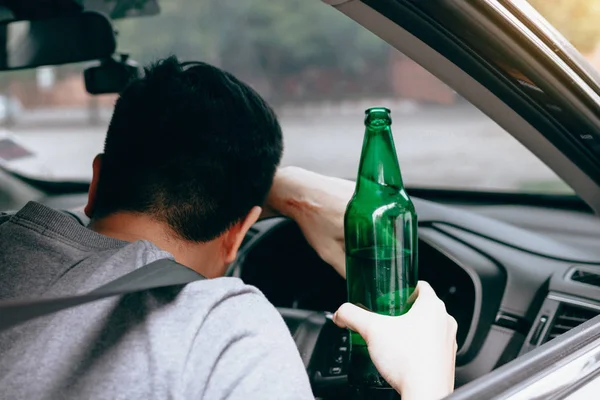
pixel 295 50
pixel 260 41
pixel 298 49
pixel 577 20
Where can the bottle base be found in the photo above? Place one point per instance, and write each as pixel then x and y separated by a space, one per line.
pixel 361 371
pixel 374 394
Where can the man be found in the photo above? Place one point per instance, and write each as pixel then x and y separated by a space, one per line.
pixel 190 155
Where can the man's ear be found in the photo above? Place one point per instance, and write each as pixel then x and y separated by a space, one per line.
pixel 89 208
pixel 237 233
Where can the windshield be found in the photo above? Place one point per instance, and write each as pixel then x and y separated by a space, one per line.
pixel 320 71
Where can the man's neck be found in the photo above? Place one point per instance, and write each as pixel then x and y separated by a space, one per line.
pixel 130 227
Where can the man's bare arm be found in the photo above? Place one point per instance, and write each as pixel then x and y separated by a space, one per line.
pixel 317 203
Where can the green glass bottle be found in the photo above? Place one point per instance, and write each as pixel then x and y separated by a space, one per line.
pixel 381 240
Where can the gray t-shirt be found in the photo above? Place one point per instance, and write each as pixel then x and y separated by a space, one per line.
pixel 212 339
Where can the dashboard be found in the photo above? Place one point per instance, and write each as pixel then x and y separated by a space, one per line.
pixel 506 281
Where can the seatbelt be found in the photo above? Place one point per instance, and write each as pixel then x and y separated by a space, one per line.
pixel 157 274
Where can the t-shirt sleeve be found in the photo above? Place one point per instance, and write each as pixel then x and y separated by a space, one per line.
pixel 253 355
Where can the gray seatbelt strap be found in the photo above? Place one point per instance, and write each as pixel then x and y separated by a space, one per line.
pixel 158 274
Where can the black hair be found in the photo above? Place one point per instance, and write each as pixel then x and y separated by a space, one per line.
pixel 191 146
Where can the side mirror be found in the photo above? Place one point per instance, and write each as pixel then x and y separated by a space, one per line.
pixel 111 76
pixel 54 41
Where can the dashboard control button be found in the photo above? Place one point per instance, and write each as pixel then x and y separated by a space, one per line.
pixel 538 330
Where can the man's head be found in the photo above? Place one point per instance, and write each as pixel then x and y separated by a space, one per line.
pixel 188 146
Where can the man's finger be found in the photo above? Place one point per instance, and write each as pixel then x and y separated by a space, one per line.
pixel 424 286
pixel 354 318
pixel 425 294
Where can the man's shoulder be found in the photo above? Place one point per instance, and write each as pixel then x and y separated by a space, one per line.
pixel 246 342
pixel 225 295
pixel 228 306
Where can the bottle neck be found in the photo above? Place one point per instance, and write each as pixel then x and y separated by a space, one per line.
pixel 379 162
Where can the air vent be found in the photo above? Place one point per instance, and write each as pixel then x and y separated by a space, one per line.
pixel 586 276
pixel 568 317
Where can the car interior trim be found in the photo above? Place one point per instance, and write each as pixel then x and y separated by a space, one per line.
pixel 476 284
pixel 543 47
pixel 581 343
pixel 574 301
pixel 512 322
pixel 568 202
pixel 430 212
pixel 586 390
pixel 583 268
pixel 569 373
pixel 443 226
pixel 534 21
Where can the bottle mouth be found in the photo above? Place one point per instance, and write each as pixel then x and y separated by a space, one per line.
pixel 378 116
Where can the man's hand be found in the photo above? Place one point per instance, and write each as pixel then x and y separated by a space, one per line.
pixel 317 203
pixel 415 352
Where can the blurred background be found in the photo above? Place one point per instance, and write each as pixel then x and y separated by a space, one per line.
pixel 318 69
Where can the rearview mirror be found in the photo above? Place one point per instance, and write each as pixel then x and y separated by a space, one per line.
pixel 111 75
pixel 69 39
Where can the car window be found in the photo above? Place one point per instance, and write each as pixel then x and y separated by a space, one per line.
pixel 320 71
